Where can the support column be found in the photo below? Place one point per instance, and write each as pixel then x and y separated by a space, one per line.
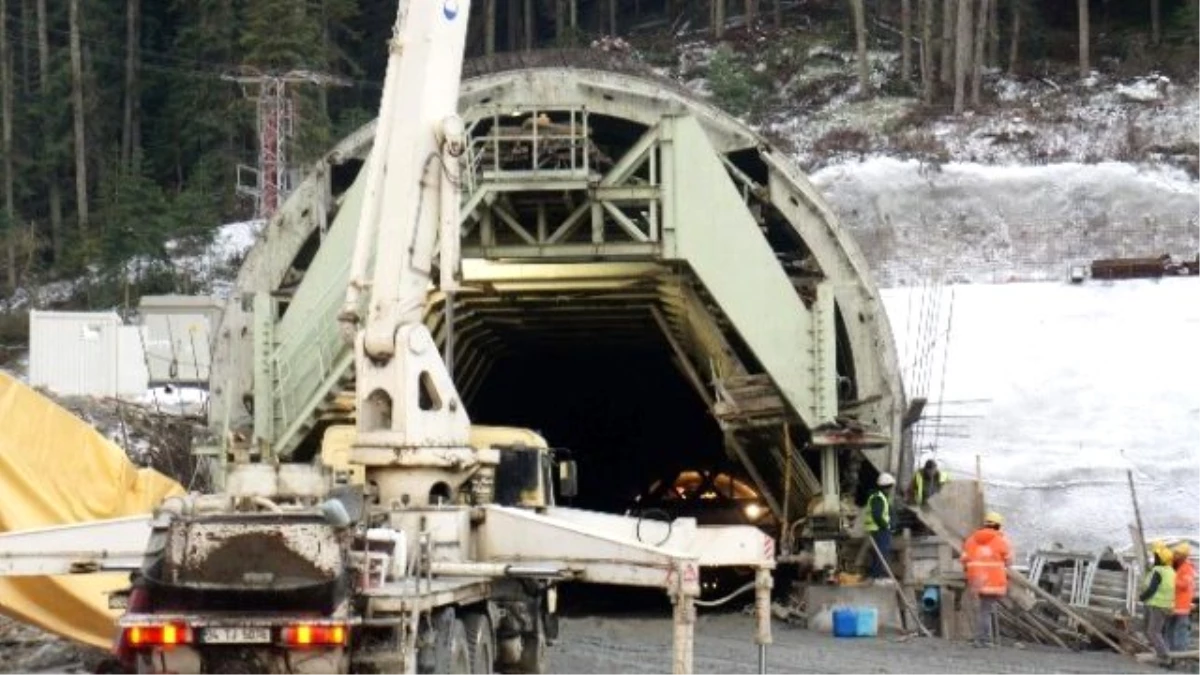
pixel 684 591
pixel 762 614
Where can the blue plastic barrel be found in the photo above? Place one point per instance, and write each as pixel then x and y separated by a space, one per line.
pixel 867 624
pixel 845 622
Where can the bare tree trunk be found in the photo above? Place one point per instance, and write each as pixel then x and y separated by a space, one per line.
pixel 612 17
pixel 751 12
pixel 980 44
pixel 860 38
pixel 81 191
pixel 489 29
pixel 527 14
pixel 130 121
pixel 962 64
pixel 55 192
pixel 906 40
pixel 6 112
pixel 947 70
pixel 1085 64
pixel 1015 39
pixel 718 20
pixel 993 59
pixel 574 14
pixel 928 78
pixel 1155 22
pixel 26 41
pixel 514 27
pixel 560 21
pixel 778 13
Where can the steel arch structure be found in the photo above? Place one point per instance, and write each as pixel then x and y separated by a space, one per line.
pixel 598 205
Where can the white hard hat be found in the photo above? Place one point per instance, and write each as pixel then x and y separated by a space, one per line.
pixel 885 480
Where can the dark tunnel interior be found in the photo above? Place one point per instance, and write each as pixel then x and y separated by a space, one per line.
pixel 625 412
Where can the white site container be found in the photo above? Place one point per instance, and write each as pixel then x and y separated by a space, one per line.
pixel 178 337
pixel 85 354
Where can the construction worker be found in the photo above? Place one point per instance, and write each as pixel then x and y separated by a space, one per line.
pixel 926 483
pixel 878 514
pixel 986 555
pixel 1179 630
pixel 1159 596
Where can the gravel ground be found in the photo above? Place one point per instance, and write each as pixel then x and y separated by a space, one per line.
pixel 724 645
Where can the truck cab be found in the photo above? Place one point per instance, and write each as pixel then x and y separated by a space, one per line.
pixel 530 474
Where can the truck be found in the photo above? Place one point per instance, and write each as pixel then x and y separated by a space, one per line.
pixel 413 542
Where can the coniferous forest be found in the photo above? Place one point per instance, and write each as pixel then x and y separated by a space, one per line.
pixel 123 126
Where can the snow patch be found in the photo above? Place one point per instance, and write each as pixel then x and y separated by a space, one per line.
pixel 211 269
pixel 1146 90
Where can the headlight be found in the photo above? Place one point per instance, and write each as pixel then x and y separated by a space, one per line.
pixel 753 511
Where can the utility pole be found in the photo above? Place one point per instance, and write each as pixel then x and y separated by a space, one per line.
pixel 269 182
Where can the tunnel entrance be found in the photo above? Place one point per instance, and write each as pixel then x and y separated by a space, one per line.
pixel 625 413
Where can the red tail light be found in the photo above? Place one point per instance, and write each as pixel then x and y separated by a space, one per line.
pixel 313 635
pixel 158 635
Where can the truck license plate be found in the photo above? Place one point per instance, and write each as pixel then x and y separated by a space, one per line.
pixel 237 635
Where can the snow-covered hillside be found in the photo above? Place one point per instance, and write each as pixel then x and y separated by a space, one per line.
pixel 969 222
pixel 1049 383
pixel 207 270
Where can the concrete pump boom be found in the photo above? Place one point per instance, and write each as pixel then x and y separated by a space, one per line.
pixel 411 197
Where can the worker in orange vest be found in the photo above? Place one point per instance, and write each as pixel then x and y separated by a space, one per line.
pixel 1180 629
pixel 986 555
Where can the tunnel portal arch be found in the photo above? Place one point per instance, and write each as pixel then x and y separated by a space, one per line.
pixel 602 211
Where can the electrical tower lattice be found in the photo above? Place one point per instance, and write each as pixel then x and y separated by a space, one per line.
pixel 270 181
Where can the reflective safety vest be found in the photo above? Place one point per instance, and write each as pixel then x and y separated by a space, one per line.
pixel 985 556
pixel 1185 587
pixel 1164 595
pixel 919 480
pixel 873 526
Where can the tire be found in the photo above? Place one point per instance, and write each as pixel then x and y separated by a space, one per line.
pixel 481 642
pixel 453 655
pixel 533 650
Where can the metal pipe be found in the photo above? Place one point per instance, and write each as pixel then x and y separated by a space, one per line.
pixel 762 614
pixel 489 569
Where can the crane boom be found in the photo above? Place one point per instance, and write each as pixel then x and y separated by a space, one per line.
pixel 406 397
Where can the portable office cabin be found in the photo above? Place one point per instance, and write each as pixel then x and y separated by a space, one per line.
pixel 178 337
pixel 85 354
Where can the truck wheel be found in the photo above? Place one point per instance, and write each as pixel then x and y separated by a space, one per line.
pixel 481 643
pixel 453 655
pixel 533 649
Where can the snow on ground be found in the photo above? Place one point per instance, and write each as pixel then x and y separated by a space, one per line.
pixel 209 270
pixel 176 400
pixel 1061 389
pixel 971 222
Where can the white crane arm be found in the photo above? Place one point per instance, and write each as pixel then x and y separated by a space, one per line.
pixel 405 394
pixel 412 173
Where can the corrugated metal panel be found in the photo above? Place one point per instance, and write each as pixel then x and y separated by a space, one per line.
pixel 178 347
pixel 132 376
pixel 79 353
pixel 178 340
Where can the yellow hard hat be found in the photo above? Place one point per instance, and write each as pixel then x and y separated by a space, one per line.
pixel 1164 554
pixel 993 518
pixel 1182 549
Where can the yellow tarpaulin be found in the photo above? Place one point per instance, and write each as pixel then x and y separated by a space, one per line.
pixel 55 469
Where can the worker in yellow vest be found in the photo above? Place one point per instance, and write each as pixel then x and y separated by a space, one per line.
pixel 926 483
pixel 1159 596
pixel 878 524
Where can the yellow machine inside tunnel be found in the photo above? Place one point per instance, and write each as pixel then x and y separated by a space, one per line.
pixel 55 469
